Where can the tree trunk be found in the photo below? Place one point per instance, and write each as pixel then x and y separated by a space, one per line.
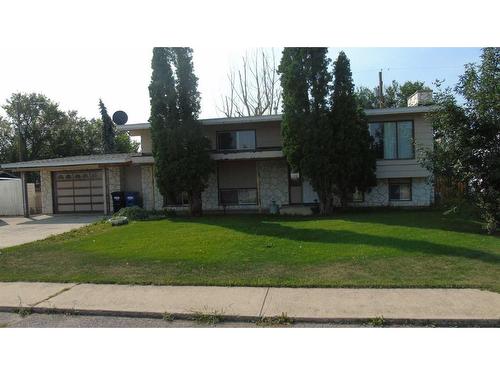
pixel 326 204
pixel 195 204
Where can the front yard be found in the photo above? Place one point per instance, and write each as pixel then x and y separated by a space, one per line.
pixel 360 249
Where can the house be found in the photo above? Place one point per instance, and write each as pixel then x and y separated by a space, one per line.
pixel 251 172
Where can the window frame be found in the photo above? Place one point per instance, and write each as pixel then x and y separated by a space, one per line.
pixel 382 122
pixel 239 203
pixel 391 181
pixel 184 197
pixel 218 132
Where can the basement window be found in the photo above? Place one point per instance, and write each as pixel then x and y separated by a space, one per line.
pixel 400 189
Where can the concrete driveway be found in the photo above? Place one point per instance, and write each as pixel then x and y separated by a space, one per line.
pixel 18 230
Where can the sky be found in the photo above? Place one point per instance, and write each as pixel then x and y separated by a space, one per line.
pixel 77 77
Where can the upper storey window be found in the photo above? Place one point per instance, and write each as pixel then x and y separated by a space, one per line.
pixel 393 140
pixel 236 140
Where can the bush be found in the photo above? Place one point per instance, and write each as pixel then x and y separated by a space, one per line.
pixel 133 213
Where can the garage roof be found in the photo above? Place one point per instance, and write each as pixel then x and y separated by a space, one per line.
pixel 72 160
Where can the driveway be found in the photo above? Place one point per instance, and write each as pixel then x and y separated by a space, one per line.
pixel 18 230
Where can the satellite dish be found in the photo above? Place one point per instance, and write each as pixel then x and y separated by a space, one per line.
pixel 120 118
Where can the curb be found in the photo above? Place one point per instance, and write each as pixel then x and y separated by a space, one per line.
pixel 385 322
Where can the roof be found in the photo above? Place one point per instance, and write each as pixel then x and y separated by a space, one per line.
pixel 275 118
pixel 5 175
pixel 73 160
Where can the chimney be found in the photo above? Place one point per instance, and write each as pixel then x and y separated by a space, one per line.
pixel 421 97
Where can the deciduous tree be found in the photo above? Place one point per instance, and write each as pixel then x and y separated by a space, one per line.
pixel 467 137
pixel 254 87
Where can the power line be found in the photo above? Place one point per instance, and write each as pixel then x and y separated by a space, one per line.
pixel 408 68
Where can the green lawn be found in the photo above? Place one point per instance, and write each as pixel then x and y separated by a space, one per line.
pixel 361 249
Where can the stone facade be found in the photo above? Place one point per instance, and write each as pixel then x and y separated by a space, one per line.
pixel 158 198
pixel 114 182
pixel 151 197
pixel 46 187
pixel 273 182
pixel 422 195
pixel 210 196
pixel 147 187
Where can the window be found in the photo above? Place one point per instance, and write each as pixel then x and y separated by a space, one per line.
pixel 178 199
pixel 358 196
pixel 233 197
pixel 400 189
pixel 393 140
pixel 236 140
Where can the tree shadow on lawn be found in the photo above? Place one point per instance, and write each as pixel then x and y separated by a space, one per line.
pixel 263 227
pixel 420 218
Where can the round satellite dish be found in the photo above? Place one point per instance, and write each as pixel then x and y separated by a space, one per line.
pixel 120 118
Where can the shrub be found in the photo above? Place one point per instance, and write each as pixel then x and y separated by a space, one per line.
pixel 133 213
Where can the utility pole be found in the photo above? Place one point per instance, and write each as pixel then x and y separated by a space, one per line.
pixel 380 90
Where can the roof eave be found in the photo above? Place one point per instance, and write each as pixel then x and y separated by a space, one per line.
pixel 275 118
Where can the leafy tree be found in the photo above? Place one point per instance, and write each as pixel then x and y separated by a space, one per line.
pixel 367 98
pixel 395 95
pixel 125 144
pixel 7 142
pixel 353 159
pixel 108 130
pixel 48 132
pixel 181 152
pixel 467 137
pixel 33 118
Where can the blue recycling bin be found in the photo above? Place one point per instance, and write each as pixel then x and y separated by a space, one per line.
pixel 131 199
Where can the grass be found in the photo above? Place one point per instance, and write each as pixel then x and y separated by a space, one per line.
pixel 275 321
pixel 382 248
pixel 207 318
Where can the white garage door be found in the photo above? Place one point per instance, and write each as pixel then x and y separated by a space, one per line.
pixel 78 191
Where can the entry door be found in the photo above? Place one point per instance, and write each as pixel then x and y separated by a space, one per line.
pixel 78 191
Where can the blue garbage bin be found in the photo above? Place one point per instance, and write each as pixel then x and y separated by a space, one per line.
pixel 131 199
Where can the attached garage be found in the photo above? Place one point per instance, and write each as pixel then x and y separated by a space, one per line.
pixel 84 184
pixel 78 191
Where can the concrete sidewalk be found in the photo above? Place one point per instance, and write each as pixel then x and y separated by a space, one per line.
pixel 239 303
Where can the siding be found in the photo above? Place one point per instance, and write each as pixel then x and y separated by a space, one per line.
pixel 267 135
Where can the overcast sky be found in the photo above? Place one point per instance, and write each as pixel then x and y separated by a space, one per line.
pixel 77 77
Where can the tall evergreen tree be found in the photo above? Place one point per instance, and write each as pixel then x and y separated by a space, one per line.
pixel 108 130
pixel 354 160
pixel 307 132
pixel 196 165
pixel 181 152
pixel 325 136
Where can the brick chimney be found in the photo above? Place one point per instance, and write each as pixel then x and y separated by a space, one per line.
pixel 421 97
